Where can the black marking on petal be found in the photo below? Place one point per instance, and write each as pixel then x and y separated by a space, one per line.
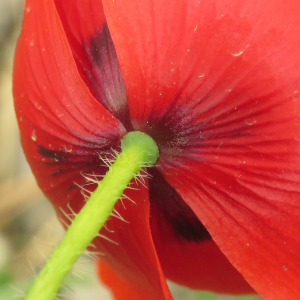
pixel 59 171
pixel 102 48
pixel 56 155
pixel 95 51
pixel 165 200
pixel 105 75
pixel 73 186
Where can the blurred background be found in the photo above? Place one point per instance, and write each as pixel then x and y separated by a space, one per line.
pixel 28 227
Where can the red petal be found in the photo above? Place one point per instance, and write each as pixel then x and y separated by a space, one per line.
pixel 220 86
pixel 81 19
pixel 47 87
pixel 252 212
pixel 120 289
pixel 200 264
pixel 90 42
pixel 128 249
pixel 62 124
pixel 187 57
pixel 180 237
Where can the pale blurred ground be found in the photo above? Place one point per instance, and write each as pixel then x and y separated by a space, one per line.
pixel 28 227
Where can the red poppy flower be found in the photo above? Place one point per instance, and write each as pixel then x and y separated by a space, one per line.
pixel 216 84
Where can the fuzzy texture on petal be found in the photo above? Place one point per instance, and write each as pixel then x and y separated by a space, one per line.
pixel 219 91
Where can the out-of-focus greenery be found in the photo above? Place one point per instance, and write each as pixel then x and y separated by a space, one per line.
pixel 210 296
pixel 180 293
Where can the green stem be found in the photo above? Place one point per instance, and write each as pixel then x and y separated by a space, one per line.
pixel 138 150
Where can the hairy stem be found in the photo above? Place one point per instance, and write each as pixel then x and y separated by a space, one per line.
pixel 138 150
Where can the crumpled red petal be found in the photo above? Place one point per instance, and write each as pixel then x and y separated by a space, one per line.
pixel 223 82
pixel 128 249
